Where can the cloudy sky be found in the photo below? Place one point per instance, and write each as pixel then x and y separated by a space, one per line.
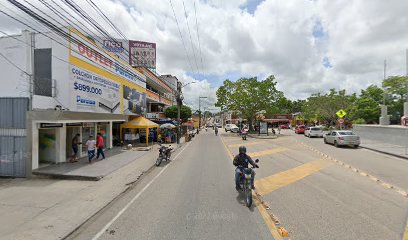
pixel 309 45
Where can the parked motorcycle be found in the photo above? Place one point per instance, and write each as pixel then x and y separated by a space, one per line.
pixel 245 183
pixel 164 154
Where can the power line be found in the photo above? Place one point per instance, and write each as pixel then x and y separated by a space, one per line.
pixel 189 33
pixel 198 36
pixel 181 36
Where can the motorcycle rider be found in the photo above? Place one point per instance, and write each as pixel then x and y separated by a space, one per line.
pixel 216 130
pixel 241 161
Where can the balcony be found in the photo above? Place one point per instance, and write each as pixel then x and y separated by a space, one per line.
pixel 157 98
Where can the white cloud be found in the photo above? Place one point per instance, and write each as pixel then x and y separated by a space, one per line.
pixel 276 39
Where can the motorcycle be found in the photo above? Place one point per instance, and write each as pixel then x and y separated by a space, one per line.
pixel 216 132
pixel 243 134
pixel 164 154
pixel 245 183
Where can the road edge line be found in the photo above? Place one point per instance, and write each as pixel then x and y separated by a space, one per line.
pixel 102 231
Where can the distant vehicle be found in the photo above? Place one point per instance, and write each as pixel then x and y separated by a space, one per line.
pixel 218 125
pixel 284 126
pixel 300 129
pixel 313 132
pixel 231 128
pixel 342 138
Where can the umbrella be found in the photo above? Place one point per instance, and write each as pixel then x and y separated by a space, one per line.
pixel 167 125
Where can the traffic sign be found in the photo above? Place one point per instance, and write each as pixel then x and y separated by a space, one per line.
pixel 341 120
pixel 341 113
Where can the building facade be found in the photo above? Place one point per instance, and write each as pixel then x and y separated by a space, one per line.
pixel 53 89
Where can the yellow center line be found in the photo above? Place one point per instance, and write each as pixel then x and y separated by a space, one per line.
pixel 267 152
pixel 405 237
pixel 245 144
pixel 269 184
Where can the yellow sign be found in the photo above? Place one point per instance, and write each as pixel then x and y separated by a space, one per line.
pixel 341 113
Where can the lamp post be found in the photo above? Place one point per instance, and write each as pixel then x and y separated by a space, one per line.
pixel 199 113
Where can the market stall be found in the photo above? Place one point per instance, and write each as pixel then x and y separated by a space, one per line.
pixel 139 123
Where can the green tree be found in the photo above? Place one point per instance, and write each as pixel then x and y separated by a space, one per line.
pixel 396 88
pixel 248 96
pixel 367 105
pixel 171 112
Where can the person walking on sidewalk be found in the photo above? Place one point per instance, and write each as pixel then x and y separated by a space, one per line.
pixel 90 145
pixel 75 146
pixel 100 145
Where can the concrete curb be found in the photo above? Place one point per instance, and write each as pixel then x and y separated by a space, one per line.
pixel 384 152
pixel 263 137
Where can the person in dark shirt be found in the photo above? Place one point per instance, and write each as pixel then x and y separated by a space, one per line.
pixel 241 161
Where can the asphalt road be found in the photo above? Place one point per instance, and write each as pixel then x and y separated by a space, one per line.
pixel 314 198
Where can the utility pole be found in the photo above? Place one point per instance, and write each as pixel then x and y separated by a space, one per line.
pixel 179 102
pixel 199 113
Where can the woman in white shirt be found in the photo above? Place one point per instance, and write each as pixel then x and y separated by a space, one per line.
pixel 90 146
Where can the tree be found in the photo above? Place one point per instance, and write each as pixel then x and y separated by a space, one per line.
pixel 248 96
pixel 367 105
pixel 324 107
pixel 171 112
pixel 396 88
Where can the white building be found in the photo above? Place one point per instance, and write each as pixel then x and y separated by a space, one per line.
pixel 52 89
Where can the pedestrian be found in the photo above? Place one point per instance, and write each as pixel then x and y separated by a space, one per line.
pixel 159 137
pixel 90 146
pixel 279 128
pixel 75 146
pixel 99 145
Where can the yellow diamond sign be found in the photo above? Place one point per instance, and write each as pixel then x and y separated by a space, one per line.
pixel 341 113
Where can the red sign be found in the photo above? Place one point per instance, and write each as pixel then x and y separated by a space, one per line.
pixel 341 120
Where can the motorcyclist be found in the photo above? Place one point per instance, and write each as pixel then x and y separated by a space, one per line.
pixel 216 130
pixel 241 161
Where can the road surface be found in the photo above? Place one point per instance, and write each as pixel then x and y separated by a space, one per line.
pixel 305 192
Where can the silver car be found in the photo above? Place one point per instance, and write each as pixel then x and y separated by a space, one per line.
pixel 342 138
pixel 313 132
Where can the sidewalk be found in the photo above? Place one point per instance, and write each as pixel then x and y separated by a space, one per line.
pixel 51 209
pixel 387 148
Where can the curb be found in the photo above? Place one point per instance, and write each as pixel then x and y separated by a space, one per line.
pixel 260 137
pixel 384 152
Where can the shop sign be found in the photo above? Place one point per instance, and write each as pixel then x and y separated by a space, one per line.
pixel 51 125
pixel 77 124
pixel 88 124
pixel 142 54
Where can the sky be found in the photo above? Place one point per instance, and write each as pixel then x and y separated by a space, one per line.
pixel 308 45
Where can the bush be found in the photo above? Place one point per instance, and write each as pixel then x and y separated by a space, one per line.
pixel 359 121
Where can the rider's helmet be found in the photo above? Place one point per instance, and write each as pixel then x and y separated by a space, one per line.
pixel 242 150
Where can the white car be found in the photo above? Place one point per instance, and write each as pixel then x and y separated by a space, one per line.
pixel 313 132
pixel 231 128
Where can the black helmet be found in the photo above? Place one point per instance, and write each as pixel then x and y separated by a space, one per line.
pixel 242 149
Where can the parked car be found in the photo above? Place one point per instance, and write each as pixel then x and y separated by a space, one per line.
pixel 231 128
pixel 313 132
pixel 342 138
pixel 300 129
pixel 284 126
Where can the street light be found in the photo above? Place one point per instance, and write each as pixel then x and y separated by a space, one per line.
pixel 199 113
pixel 179 96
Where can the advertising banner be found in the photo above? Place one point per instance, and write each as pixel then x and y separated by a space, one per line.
pixel 142 54
pixel 89 53
pixel 134 101
pixel 93 93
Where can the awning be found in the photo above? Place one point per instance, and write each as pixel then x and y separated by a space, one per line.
pixel 139 122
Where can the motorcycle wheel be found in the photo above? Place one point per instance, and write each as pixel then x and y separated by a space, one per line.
pixel 158 161
pixel 248 196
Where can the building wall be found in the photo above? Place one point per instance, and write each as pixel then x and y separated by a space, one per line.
pixel 391 134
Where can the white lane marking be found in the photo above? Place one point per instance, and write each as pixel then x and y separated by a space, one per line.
pixel 102 231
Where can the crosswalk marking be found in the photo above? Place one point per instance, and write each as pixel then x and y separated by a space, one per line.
pixel 245 144
pixel 269 184
pixel 267 152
